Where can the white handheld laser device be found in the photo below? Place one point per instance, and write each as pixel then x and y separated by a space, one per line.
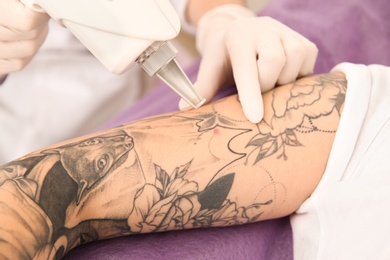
pixel 120 33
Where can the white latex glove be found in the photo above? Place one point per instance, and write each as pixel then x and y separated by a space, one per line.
pixel 22 32
pixel 258 51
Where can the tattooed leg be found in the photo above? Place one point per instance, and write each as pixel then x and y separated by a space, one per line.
pixel 201 168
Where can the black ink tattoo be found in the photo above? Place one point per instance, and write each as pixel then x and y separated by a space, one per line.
pixel 114 184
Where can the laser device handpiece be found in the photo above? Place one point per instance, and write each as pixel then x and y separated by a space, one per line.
pixel 121 33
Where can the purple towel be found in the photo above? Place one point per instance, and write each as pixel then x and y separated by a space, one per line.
pixel 350 30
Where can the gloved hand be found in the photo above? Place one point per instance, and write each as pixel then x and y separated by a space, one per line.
pixel 22 32
pixel 259 51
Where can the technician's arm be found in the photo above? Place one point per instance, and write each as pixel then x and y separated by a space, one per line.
pixel 197 8
pixel 201 168
pixel 22 32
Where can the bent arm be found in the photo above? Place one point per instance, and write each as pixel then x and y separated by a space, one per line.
pixel 200 168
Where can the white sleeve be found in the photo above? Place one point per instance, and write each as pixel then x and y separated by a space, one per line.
pixel 181 6
pixel 347 216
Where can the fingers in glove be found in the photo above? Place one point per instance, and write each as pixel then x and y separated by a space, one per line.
pixel 244 65
pixel 20 17
pixel 8 66
pixel 211 76
pixel 296 54
pixel 310 58
pixel 20 49
pixel 270 63
pixel 9 34
pixel 309 51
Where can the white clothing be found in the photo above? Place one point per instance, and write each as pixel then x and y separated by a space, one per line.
pixel 348 214
pixel 62 93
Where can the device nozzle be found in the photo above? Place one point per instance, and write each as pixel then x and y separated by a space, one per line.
pixel 174 77
pixel 160 59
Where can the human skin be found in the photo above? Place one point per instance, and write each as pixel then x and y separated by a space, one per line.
pixel 196 8
pixel 199 168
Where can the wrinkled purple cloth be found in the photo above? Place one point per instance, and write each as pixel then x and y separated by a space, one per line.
pixel 356 31
pixel 263 240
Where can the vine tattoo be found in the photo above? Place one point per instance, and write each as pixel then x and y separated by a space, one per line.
pixel 168 172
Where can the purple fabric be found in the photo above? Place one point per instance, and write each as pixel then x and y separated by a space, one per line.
pixel 264 240
pixel 356 31
pixel 350 30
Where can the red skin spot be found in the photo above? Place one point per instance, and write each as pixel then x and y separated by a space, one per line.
pixel 216 131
